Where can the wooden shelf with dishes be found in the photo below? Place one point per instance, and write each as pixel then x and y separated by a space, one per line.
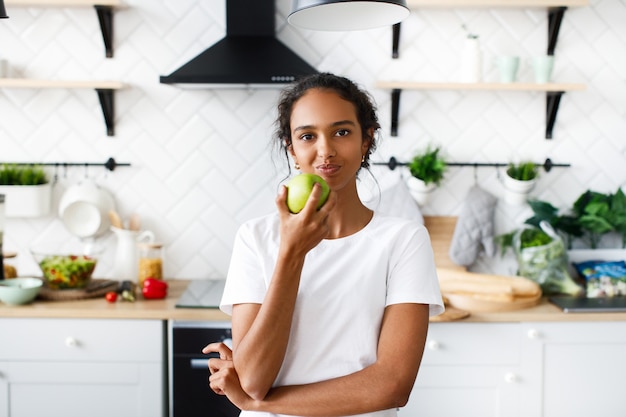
pixel 104 89
pixel 104 10
pixel 554 91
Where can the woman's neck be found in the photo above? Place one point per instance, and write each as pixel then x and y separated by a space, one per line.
pixel 349 216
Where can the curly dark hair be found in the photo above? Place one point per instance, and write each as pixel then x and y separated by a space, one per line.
pixel 346 89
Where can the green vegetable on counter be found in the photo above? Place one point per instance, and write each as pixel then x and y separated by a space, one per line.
pixel 541 257
pixel 71 271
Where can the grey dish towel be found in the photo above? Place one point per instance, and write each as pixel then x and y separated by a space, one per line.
pixel 474 228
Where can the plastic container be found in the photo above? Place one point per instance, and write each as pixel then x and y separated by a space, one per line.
pixel 150 261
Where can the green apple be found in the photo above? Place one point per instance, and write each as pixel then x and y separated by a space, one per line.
pixel 299 188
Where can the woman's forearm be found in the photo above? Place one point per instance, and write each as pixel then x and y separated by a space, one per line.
pixel 383 385
pixel 259 352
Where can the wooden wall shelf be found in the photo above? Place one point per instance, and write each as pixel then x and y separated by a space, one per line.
pixel 104 89
pixel 415 4
pixel 553 91
pixel 104 10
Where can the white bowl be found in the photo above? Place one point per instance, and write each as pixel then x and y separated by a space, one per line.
pixel 84 209
pixel 20 290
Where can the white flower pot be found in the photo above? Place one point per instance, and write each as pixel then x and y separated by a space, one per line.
pixel 516 191
pixel 419 190
pixel 26 200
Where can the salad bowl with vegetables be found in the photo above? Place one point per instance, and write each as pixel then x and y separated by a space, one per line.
pixel 66 267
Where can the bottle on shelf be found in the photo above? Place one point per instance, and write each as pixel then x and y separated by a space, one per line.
pixel 471 60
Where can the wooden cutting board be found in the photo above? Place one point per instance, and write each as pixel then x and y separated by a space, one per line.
pixel 441 230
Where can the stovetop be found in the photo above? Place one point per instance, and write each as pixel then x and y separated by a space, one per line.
pixel 205 293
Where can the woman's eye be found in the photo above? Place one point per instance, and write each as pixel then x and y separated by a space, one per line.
pixel 306 136
pixel 343 132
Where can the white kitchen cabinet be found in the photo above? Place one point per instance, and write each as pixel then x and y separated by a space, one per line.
pixel 468 370
pixel 79 367
pixel 578 368
pixel 573 369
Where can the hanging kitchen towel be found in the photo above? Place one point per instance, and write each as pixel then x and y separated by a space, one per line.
pixel 395 199
pixel 474 228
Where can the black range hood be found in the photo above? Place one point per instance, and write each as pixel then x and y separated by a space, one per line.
pixel 249 54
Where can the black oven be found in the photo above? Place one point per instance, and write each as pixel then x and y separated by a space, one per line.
pixel 190 395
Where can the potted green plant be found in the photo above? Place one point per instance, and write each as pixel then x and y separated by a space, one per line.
pixel 427 170
pixel 27 190
pixel 593 216
pixel 519 180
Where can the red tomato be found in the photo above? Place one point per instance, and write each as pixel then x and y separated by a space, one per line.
pixel 111 296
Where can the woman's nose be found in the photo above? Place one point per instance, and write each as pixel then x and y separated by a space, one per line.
pixel 325 147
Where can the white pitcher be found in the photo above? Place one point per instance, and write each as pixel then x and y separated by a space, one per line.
pixel 126 261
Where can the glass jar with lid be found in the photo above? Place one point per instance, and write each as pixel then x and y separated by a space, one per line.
pixel 9 269
pixel 150 261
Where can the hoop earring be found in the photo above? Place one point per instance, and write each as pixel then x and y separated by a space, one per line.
pixel 363 159
pixel 296 166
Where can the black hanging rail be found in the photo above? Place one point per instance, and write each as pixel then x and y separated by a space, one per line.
pixel 110 164
pixel 547 165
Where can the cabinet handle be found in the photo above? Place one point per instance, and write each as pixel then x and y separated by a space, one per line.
pixel 434 345
pixel 71 342
pixel 533 334
pixel 510 378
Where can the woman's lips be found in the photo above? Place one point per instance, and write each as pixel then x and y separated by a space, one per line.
pixel 327 169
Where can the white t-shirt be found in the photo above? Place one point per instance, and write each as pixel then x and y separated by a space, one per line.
pixel 344 288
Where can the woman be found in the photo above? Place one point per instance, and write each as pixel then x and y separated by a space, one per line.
pixel 329 307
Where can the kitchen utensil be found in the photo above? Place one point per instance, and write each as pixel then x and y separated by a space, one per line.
pixel 126 259
pixel 66 265
pixel 474 303
pixel 84 209
pixel 19 290
pixel 134 222
pixel 477 292
pixel 116 220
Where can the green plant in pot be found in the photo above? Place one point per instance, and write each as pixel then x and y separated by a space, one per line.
pixel 593 216
pixel 427 170
pixel 27 190
pixel 12 174
pixel 519 180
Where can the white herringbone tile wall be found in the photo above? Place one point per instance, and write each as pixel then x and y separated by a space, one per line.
pixel 201 163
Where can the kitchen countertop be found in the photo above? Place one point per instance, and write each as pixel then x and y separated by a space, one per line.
pixel 440 229
pixel 99 308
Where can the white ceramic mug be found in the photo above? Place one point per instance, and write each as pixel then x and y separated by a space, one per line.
pixel 542 67
pixel 507 67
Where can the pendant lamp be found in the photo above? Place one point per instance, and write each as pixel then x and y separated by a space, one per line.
pixel 346 15
pixel 3 12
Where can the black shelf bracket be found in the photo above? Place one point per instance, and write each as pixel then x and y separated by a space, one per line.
pixel 105 17
pixel 395 110
pixel 553 99
pixel 105 95
pixel 395 43
pixel 555 17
